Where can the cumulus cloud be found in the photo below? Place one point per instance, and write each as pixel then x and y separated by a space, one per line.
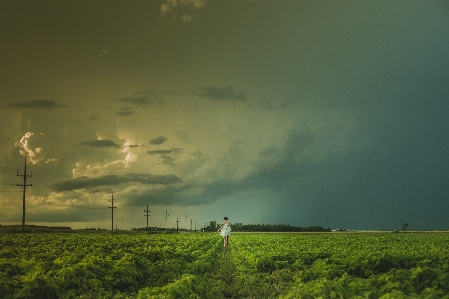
pixel 172 6
pixel 187 18
pixel 49 105
pixel 25 148
pixel 109 180
pixel 51 160
pixel 221 94
pixel 158 140
pixel 100 143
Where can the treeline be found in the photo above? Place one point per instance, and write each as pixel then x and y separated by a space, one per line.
pixel 239 227
pixel 30 228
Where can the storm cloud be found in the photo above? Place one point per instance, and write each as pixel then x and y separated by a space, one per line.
pixel 34 104
pixel 110 180
pixel 100 143
pixel 124 112
pixel 158 140
pixel 142 101
pixel 351 96
pixel 221 94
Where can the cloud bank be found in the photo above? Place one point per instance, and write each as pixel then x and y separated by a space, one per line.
pixel 34 104
pixel 221 94
pixel 111 180
pixel 100 143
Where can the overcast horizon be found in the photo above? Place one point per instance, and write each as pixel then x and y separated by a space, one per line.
pixel 308 113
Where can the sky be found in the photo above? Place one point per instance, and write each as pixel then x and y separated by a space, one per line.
pixel 326 113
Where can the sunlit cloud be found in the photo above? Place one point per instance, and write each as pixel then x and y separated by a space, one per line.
pixel 24 145
pixel 171 6
pixel 187 18
pixel 51 160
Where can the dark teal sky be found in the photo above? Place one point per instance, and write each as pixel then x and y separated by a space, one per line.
pixel 245 109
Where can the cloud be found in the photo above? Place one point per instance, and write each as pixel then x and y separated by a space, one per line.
pixel 124 112
pixel 133 145
pixel 267 105
pixel 109 180
pixel 104 51
pixel 148 92
pixel 158 140
pixel 169 151
pixel 142 101
pixel 51 160
pixel 181 194
pixel 221 94
pixel 100 143
pixel 49 105
pixel 92 118
pixel 26 149
pixel 191 6
pixel 167 156
pixel 187 18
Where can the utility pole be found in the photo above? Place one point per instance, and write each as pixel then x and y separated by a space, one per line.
pixel 166 217
pixel 327 210
pixel 191 224
pixel 147 215
pixel 177 222
pixel 195 225
pixel 24 176
pixel 112 201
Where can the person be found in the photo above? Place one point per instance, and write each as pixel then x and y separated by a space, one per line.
pixel 226 230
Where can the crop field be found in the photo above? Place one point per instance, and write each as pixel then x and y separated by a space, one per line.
pixel 194 265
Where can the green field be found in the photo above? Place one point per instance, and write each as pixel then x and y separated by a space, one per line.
pixel 308 265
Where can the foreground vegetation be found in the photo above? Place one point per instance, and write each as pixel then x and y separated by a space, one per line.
pixel 327 265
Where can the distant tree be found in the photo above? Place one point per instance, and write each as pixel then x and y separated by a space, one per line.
pixel 212 226
pixel 404 225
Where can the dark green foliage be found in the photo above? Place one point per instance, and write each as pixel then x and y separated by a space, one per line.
pixel 195 266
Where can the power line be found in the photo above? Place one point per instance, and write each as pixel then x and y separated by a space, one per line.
pixel 8 168
pixel 12 156
pixel 49 172
pixel 87 208
pixel 36 193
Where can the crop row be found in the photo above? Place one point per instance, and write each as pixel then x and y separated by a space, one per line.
pixel 344 265
pixel 194 266
pixel 95 266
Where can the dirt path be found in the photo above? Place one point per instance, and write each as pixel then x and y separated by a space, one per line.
pixel 224 275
